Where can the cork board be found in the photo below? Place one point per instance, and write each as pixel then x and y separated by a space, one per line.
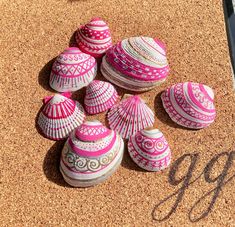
pixel 197 190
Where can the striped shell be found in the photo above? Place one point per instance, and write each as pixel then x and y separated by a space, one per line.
pixel 100 96
pixel 149 150
pixel 60 116
pixel 91 154
pixel 190 104
pixel 94 38
pixel 130 116
pixel 72 70
pixel 137 63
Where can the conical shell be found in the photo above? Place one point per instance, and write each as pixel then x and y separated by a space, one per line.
pixel 150 150
pixel 100 96
pixel 60 116
pixel 137 63
pixel 130 116
pixel 72 70
pixel 190 104
pixel 91 154
pixel 94 38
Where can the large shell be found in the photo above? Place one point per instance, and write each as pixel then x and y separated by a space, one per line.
pixel 100 96
pixel 130 116
pixel 91 154
pixel 94 38
pixel 150 150
pixel 60 116
pixel 190 104
pixel 72 70
pixel 137 63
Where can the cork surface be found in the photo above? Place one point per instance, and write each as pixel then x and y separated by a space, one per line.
pixel 197 190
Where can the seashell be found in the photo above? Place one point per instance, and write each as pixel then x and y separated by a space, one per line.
pixel 150 150
pixel 72 70
pixel 94 38
pixel 130 116
pixel 190 104
pixel 137 63
pixel 100 96
pixel 60 116
pixel 91 154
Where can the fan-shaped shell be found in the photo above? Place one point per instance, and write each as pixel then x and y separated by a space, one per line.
pixel 150 150
pixel 190 104
pixel 137 63
pixel 72 70
pixel 130 116
pixel 100 96
pixel 91 154
pixel 60 116
pixel 94 38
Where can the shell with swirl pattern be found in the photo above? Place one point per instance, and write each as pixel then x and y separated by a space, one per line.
pixel 91 154
pixel 150 150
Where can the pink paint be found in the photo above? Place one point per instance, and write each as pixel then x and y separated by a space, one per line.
pixel 94 38
pixel 100 96
pixel 190 104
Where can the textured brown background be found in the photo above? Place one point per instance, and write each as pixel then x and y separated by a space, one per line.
pixel 32 189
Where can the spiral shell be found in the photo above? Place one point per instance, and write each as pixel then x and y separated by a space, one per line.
pixel 91 154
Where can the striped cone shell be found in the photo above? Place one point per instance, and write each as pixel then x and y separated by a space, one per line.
pixel 100 96
pixel 130 116
pixel 149 150
pixel 137 63
pixel 94 38
pixel 91 154
pixel 190 104
pixel 60 116
pixel 72 70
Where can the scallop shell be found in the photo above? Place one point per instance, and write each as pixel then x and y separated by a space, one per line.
pixel 190 104
pixel 130 116
pixel 91 154
pixel 72 70
pixel 94 38
pixel 100 96
pixel 60 116
pixel 137 63
pixel 150 150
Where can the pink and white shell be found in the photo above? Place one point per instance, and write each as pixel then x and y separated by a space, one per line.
pixel 137 63
pixel 130 116
pixel 91 154
pixel 94 38
pixel 100 96
pixel 72 70
pixel 190 104
pixel 60 116
pixel 150 150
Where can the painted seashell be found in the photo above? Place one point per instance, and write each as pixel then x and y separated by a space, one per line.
pixel 150 150
pixel 91 154
pixel 100 96
pixel 72 70
pixel 130 116
pixel 190 104
pixel 60 116
pixel 137 63
pixel 94 38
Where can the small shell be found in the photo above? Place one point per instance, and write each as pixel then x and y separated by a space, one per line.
pixel 100 96
pixel 60 116
pixel 137 63
pixel 130 116
pixel 72 70
pixel 91 154
pixel 190 104
pixel 150 150
pixel 94 38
